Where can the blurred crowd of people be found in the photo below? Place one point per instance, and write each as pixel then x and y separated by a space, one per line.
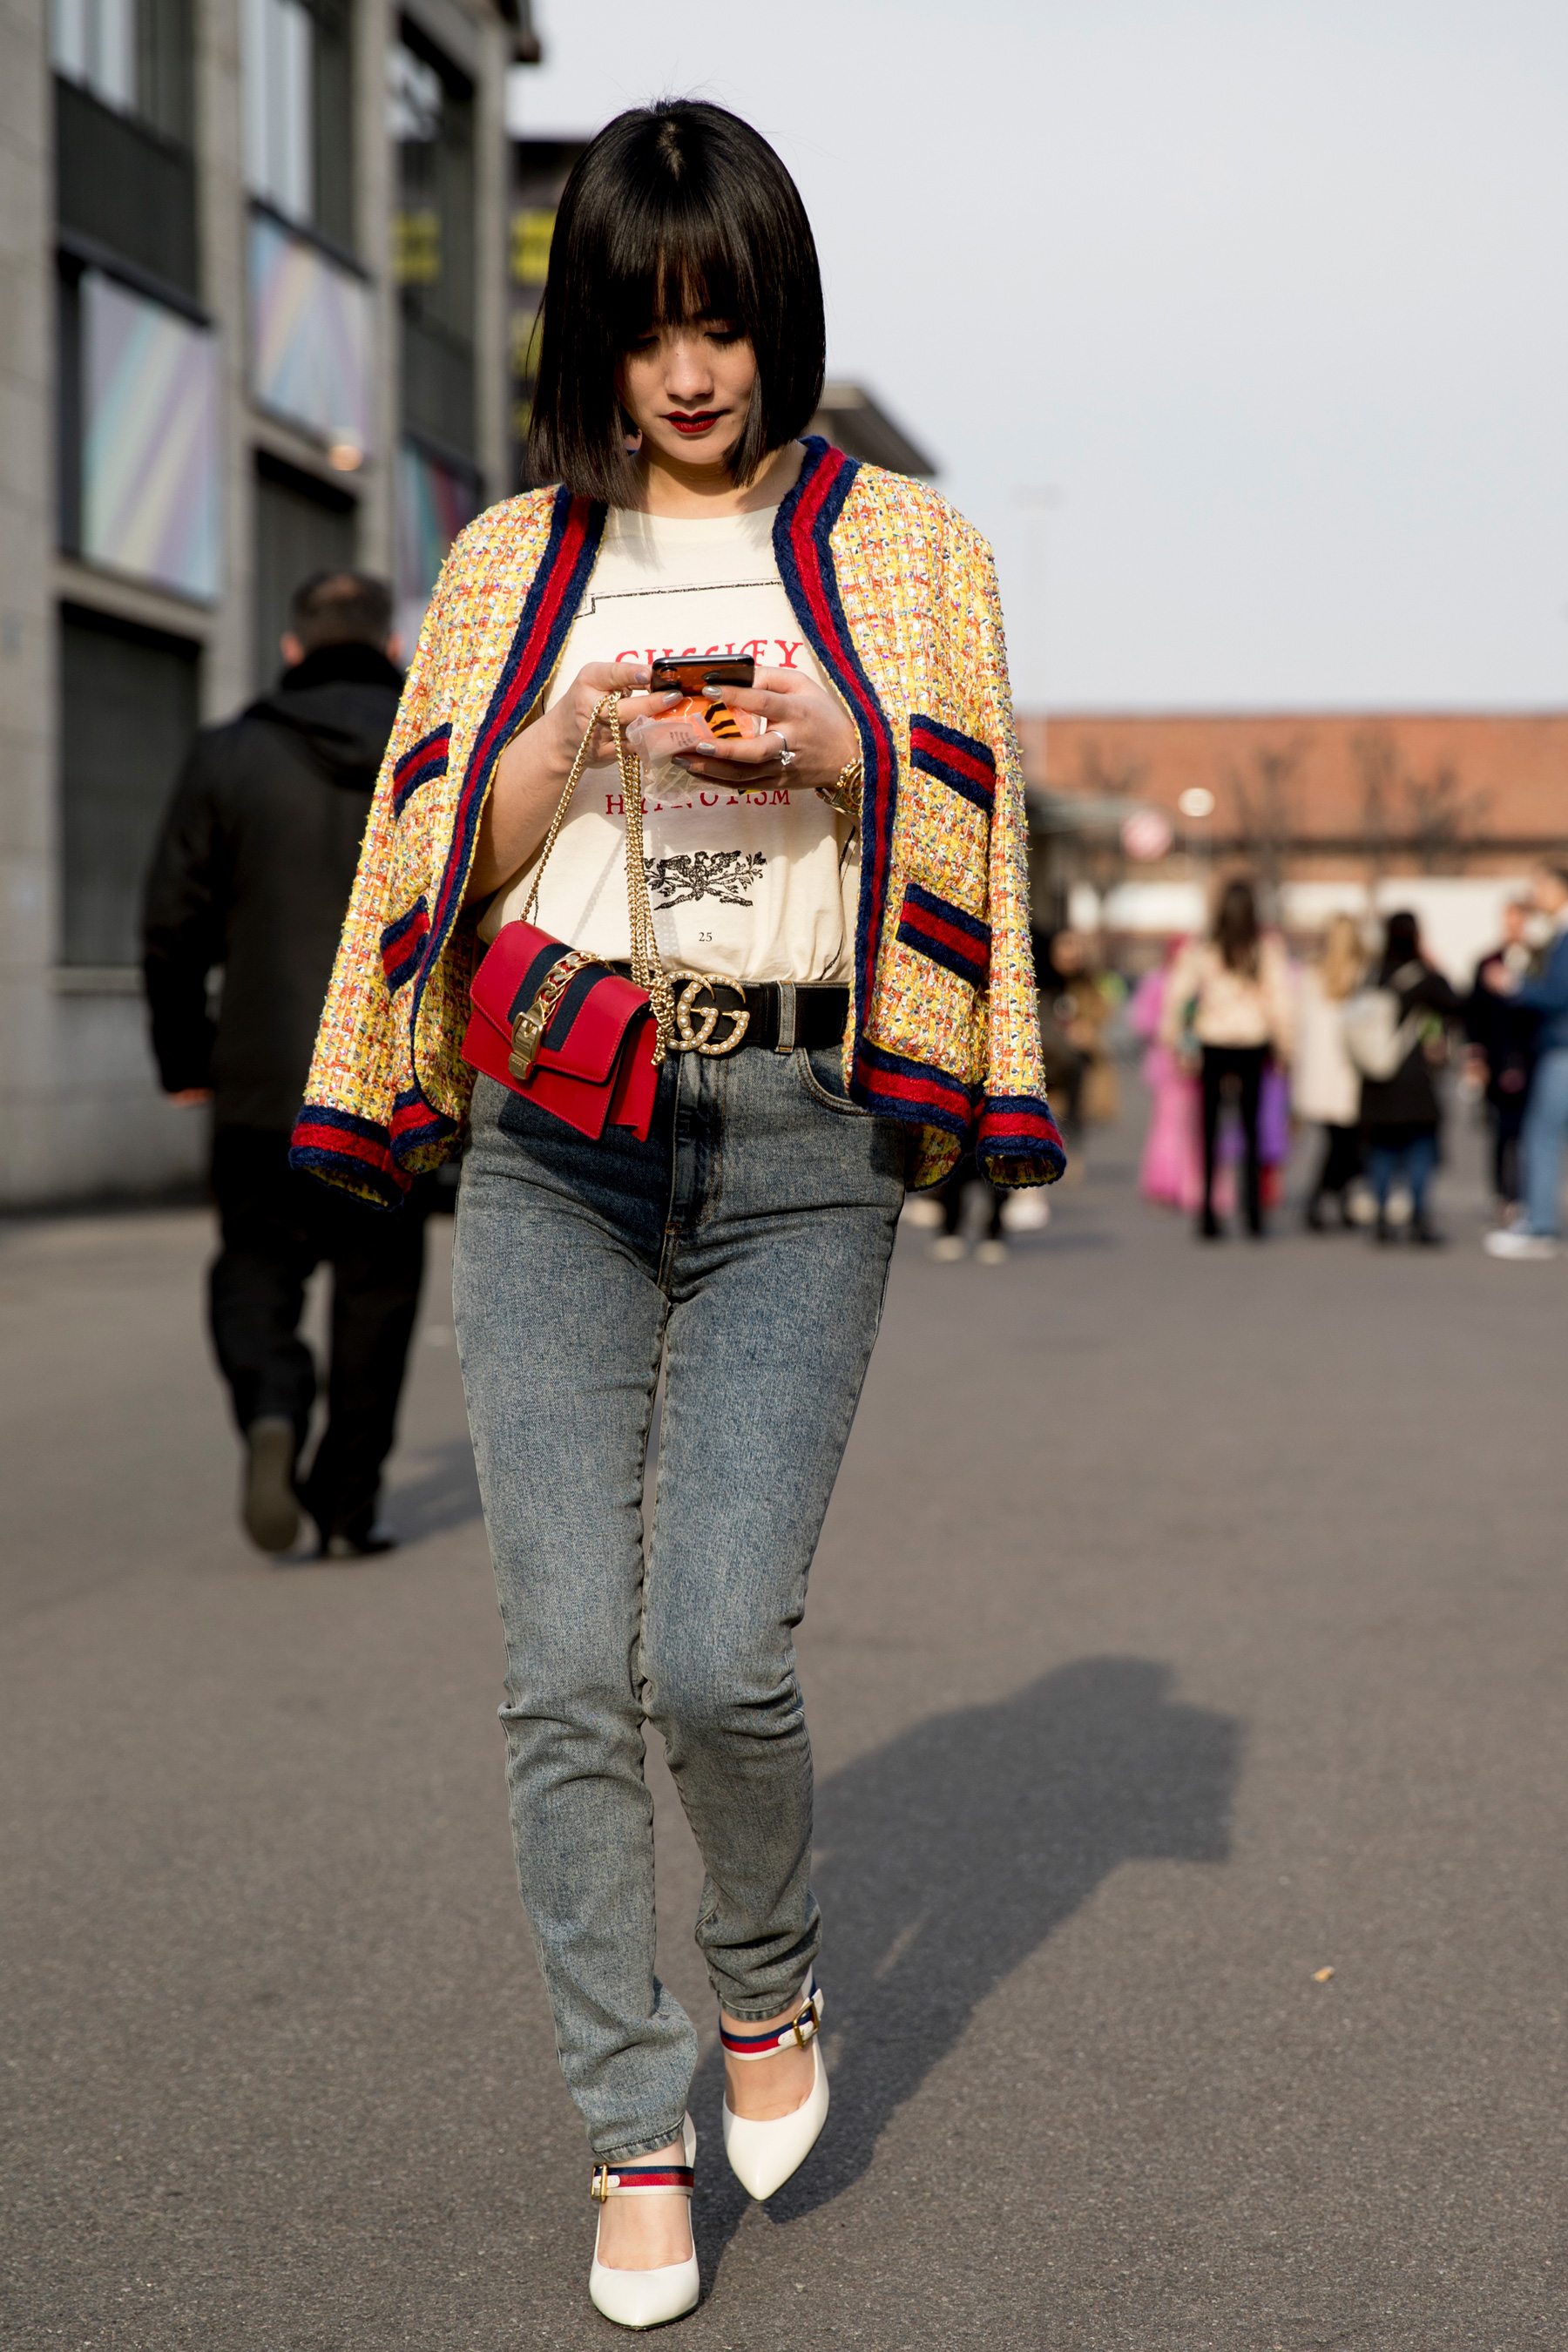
pixel 1355 1041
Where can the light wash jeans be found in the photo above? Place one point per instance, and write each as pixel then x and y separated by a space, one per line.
pixel 746 1243
pixel 1544 1134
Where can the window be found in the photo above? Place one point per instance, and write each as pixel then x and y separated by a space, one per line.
pixel 299 112
pixel 125 178
pixel 434 502
pixel 301 526
pixel 128 711
pixel 134 56
pixel 138 441
pixel 310 340
pixel 540 170
pixel 431 106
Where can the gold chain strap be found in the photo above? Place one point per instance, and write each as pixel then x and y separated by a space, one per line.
pixel 647 969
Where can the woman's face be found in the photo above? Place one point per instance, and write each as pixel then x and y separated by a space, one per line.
pixel 688 390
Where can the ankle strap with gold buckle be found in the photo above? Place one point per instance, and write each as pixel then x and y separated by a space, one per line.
pixel 801 2030
pixel 626 2180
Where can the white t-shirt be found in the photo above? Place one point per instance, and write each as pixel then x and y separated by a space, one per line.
pixel 755 889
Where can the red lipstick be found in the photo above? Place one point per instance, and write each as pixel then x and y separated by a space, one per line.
pixel 702 422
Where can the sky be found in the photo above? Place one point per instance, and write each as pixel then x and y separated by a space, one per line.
pixel 1240 330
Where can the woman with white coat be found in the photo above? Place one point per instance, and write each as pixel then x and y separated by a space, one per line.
pixel 1326 1084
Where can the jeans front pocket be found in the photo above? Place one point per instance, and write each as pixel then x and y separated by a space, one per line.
pixel 820 1070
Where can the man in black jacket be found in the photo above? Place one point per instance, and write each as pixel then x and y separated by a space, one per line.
pixel 252 874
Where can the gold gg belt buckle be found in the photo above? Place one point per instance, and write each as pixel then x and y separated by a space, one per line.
pixel 690 1040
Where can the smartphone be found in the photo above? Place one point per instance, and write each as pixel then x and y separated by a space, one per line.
pixel 706 673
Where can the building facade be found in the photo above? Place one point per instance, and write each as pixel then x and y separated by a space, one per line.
pixel 253 255
pixel 1443 811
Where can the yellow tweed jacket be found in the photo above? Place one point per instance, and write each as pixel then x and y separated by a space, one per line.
pixel 897 595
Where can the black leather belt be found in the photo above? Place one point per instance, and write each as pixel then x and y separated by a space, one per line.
pixel 775 1014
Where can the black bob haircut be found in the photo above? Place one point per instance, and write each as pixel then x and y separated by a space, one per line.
pixel 677 211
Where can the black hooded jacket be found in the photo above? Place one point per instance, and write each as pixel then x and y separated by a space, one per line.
pixel 252 872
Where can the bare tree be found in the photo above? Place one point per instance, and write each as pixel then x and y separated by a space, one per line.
pixel 1266 813
pixel 1443 818
pixel 1377 767
pixel 1432 816
pixel 1117 779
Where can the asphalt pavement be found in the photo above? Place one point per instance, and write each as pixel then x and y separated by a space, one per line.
pixel 1186 1668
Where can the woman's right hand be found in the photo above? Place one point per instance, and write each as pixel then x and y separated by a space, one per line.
pixel 568 719
pixel 532 771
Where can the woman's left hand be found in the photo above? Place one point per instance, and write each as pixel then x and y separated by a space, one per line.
pixel 802 719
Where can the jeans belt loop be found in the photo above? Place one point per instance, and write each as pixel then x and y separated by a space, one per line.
pixel 786 1017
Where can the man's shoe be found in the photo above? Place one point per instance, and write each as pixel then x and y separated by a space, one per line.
pixel 268 1505
pixel 367 1544
pixel 948 1248
pixel 991 1252
pixel 1512 1241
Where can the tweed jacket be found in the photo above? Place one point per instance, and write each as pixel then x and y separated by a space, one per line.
pixel 897 595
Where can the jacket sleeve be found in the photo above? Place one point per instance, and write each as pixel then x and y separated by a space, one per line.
pixel 183 926
pixel 344 1132
pixel 1017 1142
pixel 1549 993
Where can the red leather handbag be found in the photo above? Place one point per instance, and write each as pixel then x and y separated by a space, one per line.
pixel 566 1030
pixel 562 1027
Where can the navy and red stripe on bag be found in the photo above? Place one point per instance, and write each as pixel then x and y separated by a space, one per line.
pixel 595 1066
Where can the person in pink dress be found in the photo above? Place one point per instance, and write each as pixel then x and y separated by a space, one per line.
pixel 1171 1171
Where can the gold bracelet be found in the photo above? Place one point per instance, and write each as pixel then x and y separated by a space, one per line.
pixel 844 792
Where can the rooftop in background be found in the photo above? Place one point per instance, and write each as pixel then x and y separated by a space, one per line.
pixel 852 420
pixel 1419 792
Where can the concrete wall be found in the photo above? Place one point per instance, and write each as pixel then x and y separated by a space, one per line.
pixel 82 1113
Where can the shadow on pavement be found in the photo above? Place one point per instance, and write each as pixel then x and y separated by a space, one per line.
pixel 442 1494
pixel 944 1859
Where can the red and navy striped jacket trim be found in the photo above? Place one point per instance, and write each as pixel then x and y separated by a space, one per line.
pixel 801 545
pixel 549 609
pixel 334 1143
pixel 1018 1127
pixel 401 944
pixel 421 764
pixel 936 927
pixel 961 761
pixel 415 1123
pixel 895 1087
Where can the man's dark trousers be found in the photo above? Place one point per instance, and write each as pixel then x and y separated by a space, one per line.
pixel 278 1226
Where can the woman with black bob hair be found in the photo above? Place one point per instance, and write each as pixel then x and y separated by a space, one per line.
pixel 829 866
pixel 679 214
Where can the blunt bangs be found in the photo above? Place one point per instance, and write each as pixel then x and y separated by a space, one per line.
pixel 677 212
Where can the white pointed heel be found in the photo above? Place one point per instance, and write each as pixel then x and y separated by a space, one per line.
pixel 646 2298
pixel 763 2155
